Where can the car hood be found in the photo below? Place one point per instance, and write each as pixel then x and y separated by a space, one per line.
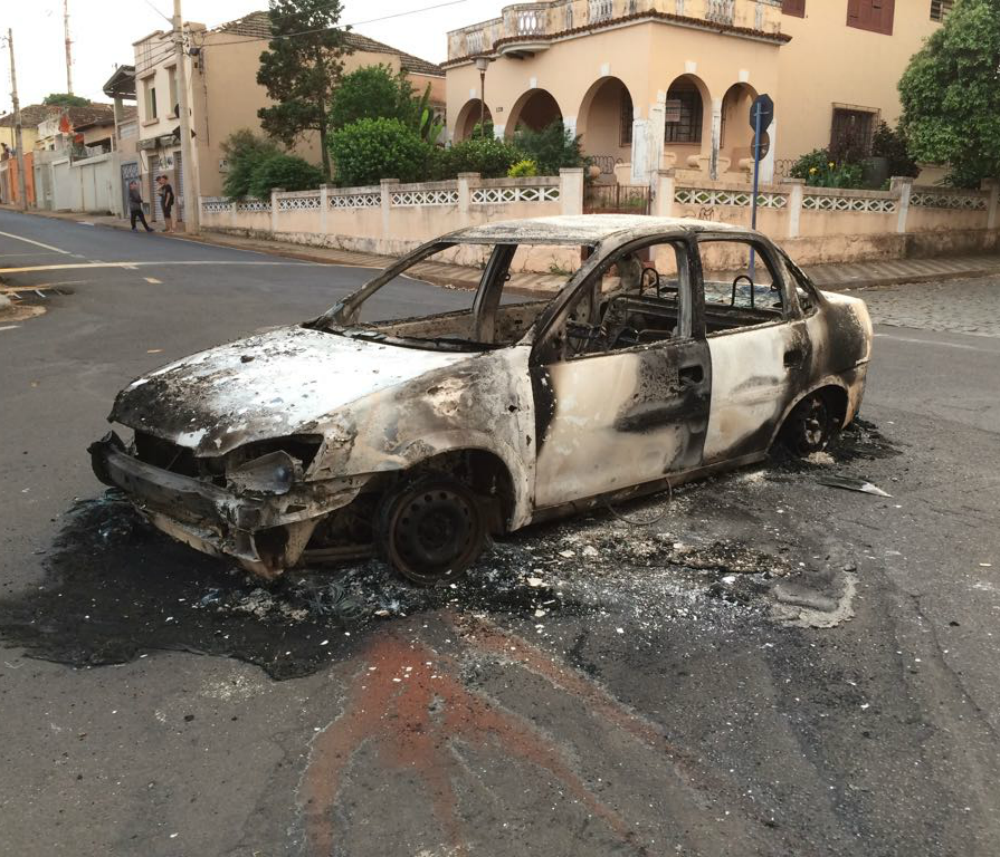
pixel 271 385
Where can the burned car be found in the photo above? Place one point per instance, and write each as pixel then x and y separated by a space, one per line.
pixel 675 349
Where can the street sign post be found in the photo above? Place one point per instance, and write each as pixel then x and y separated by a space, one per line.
pixel 761 116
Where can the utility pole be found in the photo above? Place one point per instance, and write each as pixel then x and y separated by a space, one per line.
pixel 192 204
pixel 22 192
pixel 69 50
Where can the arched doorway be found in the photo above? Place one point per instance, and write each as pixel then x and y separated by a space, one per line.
pixel 469 117
pixel 604 122
pixel 688 120
pixel 536 109
pixel 737 135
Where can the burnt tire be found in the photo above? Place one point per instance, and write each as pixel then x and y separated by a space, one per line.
pixel 810 426
pixel 431 529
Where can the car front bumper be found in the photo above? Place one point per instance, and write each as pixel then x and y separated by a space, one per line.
pixel 265 533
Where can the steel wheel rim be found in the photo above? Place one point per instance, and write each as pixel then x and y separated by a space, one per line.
pixel 433 531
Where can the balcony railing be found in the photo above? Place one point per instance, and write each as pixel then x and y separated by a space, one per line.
pixel 534 22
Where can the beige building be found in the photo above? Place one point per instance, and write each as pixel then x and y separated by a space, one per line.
pixel 669 83
pixel 224 95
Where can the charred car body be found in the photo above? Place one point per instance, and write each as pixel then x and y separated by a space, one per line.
pixel 676 349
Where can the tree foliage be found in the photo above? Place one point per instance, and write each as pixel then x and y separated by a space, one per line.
pixel 244 150
pixel 64 99
pixel 951 94
pixel 890 143
pixel 372 92
pixel 552 148
pixel 369 150
pixel 301 69
pixel 280 170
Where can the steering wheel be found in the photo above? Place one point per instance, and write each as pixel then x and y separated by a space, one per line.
pixel 579 335
pixel 732 301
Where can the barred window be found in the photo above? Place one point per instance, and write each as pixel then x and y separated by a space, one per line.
pixel 684 113
pixel 940 9
pixel 625 121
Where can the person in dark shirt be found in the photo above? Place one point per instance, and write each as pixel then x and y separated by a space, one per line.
pixel 166 203
pixel 135 206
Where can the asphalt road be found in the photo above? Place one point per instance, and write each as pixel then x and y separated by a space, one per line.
pixel 647 696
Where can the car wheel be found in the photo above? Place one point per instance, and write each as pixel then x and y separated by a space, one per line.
pixel 431 529
pixel 810 427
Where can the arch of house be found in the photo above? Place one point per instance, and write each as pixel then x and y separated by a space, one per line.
pixel 688 120
pixel 535 109
pixel 469 117
pixel 737 135
pixel 604 122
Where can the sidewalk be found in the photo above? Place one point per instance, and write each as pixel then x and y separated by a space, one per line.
pixel 841 276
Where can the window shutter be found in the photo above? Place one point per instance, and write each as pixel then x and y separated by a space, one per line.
pixel 853 11
pixel 794 7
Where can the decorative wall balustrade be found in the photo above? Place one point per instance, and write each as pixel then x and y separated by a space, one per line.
pixel 215 205
pixel 253 206
pixel 504 195
pixel 709 197
pixel 299 203
pixel 848 202
pixel 407 198
pixel 601 10
pixel 370 199
pixel 963 201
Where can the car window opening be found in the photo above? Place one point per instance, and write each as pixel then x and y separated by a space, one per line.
pixel 742 288
pixel 492 311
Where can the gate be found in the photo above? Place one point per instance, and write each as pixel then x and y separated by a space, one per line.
pixel 616 199
pixel 130 173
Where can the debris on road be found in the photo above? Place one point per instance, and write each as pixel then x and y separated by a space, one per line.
pixel 851 483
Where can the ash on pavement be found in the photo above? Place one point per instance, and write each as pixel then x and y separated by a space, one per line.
pixel 117 589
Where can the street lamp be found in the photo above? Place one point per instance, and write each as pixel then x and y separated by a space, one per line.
pixel 482 63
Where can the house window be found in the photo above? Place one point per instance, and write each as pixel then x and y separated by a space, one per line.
pixel 873 15
pixel 851 133
pixel 940 9
pixel 625 121
pixel 150 98
pixel 794 7
pixel 684 113
pixel 174 109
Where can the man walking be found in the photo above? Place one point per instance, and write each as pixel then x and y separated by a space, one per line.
pixel 135 206
pixel 166 203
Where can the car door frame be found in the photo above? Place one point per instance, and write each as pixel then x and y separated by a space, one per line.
pixel 791 336
pixel 686 350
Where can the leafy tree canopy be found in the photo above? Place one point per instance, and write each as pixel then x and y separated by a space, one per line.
pixel 951 94
pixel 372 92
pixel 64 99
pixel 301 69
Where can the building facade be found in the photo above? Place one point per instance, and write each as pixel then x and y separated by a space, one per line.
pixel 653 84
pixel 224 96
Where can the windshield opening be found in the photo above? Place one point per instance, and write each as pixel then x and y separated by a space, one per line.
pixel 458 296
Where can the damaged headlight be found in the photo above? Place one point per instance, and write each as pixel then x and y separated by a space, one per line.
pixel 274 473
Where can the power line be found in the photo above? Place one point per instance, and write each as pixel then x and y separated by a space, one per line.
pixel 166 18
pixel 274 38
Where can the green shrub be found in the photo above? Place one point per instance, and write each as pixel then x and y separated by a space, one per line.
pixel 488 156
pixel 819 170
pixel 552 148
pixel 244 150
pixel 285 171
pixel 891 145
pixel 373 149
pixel 523 169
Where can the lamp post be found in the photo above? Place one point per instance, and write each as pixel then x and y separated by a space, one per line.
pixel 482 63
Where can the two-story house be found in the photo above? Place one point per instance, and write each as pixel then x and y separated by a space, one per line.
pixel 224 96
pixel 669 83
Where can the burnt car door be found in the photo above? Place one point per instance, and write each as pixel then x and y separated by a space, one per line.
pixel 621 376
pixel 761 351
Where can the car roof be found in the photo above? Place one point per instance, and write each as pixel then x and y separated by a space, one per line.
pixel 588 229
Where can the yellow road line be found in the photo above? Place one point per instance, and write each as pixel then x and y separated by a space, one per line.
pixel 36 243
